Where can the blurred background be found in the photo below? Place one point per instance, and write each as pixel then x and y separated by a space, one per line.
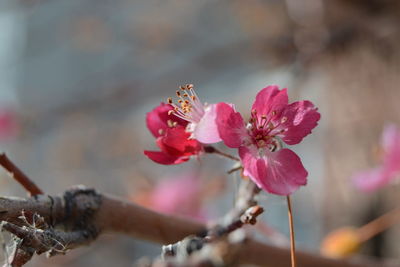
pixel 77 78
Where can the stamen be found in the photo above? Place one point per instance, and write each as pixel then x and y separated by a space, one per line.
pixel 169 100
pixel 284 119
pixel 188 106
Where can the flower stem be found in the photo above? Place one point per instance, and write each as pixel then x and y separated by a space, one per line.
pixel 292 239
pixel 234 170
pixel 379 224
pixel 211 149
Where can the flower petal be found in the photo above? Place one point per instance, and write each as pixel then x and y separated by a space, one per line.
pixel 230 124
pixel 279 172
pixel 176 142
pixel 371 180
pixel 270 99
pixel 206 131
pixel 163 158
pixel 157 119
pixel 391 145
pixel 296 122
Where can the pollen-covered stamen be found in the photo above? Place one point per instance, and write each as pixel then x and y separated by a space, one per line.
pixel 264 129
pixel 189 107
pixel 171 124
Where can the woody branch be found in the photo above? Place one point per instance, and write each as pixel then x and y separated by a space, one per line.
pixel 84 214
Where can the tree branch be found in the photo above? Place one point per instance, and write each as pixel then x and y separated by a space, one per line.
pixel 83 213
pixel 19 176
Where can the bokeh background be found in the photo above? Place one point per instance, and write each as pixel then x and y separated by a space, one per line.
pixel 77 78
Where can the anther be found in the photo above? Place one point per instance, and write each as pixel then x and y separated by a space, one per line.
pixel 169 100
pixel 171 111
pixel 178 93
pixel 273 113
pixel 271 125
pixel 284 119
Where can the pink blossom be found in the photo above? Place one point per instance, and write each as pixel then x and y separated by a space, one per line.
pixel 373 179
pixel 200 117
pixel 275 169
pixel 8 124
pixel 171 137
pixel 181 196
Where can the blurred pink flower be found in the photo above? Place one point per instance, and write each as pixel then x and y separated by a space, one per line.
pixel 8 124
pixel 373 179
pixel 171 137
pixel 180 196
pixel 275 169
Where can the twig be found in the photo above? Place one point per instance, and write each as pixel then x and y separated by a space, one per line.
pixel 211 150
pixel 19 176
pixel 292 238
pixel 234 170
pixel 379 225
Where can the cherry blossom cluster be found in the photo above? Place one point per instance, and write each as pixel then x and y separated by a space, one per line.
pixel 184 127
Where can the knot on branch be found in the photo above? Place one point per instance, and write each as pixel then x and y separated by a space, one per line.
pixel 81 204
pixel 51 224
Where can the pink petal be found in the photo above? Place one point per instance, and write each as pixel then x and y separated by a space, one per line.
pixel 157 119
pixel 230 124
pixel 177 143
pixel 163 158
pixel 206 131
pixel 391 145
pixel 371 180
pixel 297 121
pixel 270 99
pixel 280 172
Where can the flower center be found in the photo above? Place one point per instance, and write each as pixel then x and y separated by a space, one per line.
pixel 264 128
pixel 189 106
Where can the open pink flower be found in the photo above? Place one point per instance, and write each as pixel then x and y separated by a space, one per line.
pixel 171 137
pixel 200 117
pixel 373 179
pixel 275 169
